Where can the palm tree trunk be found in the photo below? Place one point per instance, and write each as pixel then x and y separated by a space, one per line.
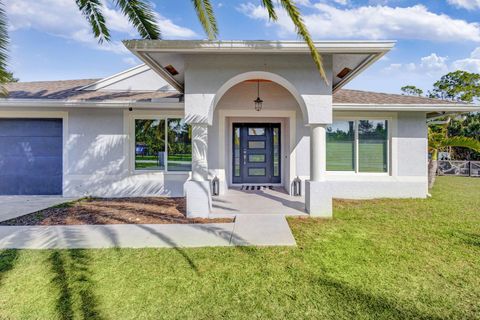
pixel 432 172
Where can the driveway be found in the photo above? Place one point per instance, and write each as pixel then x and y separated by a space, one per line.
pixel 15 206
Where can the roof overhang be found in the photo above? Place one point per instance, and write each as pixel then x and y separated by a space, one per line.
pixel 432 110
pixel 59 103
pixel 354 55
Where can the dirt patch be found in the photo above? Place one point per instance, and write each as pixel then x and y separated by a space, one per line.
pixel 152 210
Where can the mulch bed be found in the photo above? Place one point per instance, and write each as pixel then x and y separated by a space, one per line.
pixel 151 210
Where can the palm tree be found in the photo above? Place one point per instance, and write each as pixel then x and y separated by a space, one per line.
pixel 142 16
pixel 438 139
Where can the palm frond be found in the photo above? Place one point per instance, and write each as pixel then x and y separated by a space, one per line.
pixel 92 11
pixel 464 142
pixel 4 41
pixel 268 4
pixel 140 13
pixel 207 18
pixel 294 13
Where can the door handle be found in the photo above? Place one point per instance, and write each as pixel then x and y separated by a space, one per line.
pixel 244 157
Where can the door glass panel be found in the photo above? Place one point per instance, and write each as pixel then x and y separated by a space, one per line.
pixel 341 146
pixel 256 131
pixel 256 171
pixel 236 152
pixel 372 145
pixel 276 152
pixel 256 144
pixel 256 158
pixel 149 144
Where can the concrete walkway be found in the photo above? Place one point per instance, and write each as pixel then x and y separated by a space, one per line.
pixel 258 230
pixel 16 206
pixel 264 201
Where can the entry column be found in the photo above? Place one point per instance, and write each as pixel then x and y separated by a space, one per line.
pixel 318 195
pixel 197 189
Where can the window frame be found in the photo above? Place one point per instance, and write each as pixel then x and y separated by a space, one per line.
pixel 356 119
pixel 140 116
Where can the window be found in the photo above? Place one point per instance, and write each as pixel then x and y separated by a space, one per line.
pixel 256 131
pixel 256 172
pixel 372 146
pixel 256 144
pixel 149 144
pixel 179 146
pixel 163 144
pixel 341 146
pixel 256 158
pixel 358 146
pixel 236 152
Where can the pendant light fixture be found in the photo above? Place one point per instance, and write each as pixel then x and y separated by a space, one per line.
pixel 258 102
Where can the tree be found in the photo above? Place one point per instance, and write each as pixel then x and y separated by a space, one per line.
pixel 10 77
pixel 142 16
pixel 411 91
pixel 466 126
pixel 438 140
pixel 457 86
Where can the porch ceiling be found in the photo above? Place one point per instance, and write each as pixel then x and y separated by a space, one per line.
pixel 351 57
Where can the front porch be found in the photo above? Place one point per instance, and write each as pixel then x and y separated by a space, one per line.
pixel 257 200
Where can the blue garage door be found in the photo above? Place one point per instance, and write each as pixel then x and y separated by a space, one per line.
pixel 30 156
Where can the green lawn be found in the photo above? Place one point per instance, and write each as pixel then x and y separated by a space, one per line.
pixel 382 259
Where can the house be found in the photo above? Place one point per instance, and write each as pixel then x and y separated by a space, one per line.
pixel 251 113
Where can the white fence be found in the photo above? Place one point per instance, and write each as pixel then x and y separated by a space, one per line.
pixel 458 168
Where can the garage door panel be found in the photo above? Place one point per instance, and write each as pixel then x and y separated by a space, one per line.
pixel 27 146
pixel 50 185
pixel 31 158
pixel 30 128
pixel 36 165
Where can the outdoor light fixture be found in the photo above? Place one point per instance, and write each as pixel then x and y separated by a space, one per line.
pixel 258 102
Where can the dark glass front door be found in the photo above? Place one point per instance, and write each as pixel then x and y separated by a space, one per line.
pixel 256 153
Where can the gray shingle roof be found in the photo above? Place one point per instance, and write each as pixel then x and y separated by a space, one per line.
pixel 367 97
pixel 68 90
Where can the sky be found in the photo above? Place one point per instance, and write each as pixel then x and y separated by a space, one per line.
pixel 50 40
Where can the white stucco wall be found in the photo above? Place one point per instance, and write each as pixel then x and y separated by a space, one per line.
pixel 208 76
pixel 98 149
pixel 100 152
pixel 237 106
pixel 407 176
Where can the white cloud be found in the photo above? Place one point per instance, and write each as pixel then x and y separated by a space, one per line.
pixel 303 2
pixel 470 64
pixel 374 22
pixel 63 19
pixel 431 66
pixel 466 4
pixel 434 64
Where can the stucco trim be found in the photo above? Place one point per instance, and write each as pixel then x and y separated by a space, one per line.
pixel 262 116
pixel 392 152
pixel 254 46
pixel 258 75
pixel 129 132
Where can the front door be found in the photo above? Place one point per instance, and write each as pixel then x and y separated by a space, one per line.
pixel 256 153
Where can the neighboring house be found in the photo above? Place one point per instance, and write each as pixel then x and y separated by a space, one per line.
pixel 170 126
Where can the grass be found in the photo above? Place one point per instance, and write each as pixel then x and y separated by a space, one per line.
pixel 379 259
